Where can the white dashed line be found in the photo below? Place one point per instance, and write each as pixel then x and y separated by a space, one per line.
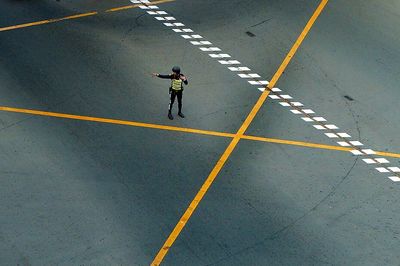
pixel 148 7
pixel 201 43
pixel 247 76
pixel 252 79
pixel 219 55
pixel 156 12
pixel 394 169
pixel 331 127
pixel 368 151
pixel 343 135
pixel 331 135
pixel 381 160
pixel 239 68
pixel 394 178
pixel 211 49
pixel 168 24
pixel 369 161
pixel 382 170
pixel 307 119
pixel 195 36
pixel 297 104
pixel 182 30
pixel 319 119
pixel 259 82
pixel 229 62
pixel 308 111
pixel 284 96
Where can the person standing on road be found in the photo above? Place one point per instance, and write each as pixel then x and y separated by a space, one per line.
pixel 176 88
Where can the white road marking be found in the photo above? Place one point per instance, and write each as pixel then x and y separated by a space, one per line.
pixel 229 62
pixel 368 151
pixel 297 104
pixel 201 43
pixel 156 12
pixel 258 82
pixel 194 36
pixel 307 119
pixel 394 178
pixel 356 143
pixel 344 143
pixel 153 10
pixel 394 169
pixel 343 135
pixel 356 152
pixel 381 160
pixel 210 49
pixel 331 127
pixel 168 24
pixel 239 68
pixel 369 161
pixel 382 170
pixel 287 97
pixel 182 30
pixel 247 76
pixel 219 55
pixel 319 119
pixel 148 7
pixel 296 112
pixel 331 135
pixel 308 111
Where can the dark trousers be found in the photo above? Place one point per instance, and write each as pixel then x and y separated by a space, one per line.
pixel 173 94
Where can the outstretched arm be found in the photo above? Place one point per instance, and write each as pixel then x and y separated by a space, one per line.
pixel 161 76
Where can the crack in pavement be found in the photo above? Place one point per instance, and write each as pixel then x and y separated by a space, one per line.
pixel 262 22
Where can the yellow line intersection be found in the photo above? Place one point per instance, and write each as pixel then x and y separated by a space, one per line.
pixel 236 137
pixel 185 130
pixel 220 163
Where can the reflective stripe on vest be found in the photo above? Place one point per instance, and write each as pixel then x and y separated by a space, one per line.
pixel 176 84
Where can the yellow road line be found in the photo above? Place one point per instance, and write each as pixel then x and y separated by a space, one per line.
pixel 297 43
pixel 120 8
pixel 210 179
pixel 187 130
pixel 116 121
pixel 298 143
pixel 47 21
pixel 388 154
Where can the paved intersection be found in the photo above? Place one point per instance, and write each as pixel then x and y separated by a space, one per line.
pixel 86 193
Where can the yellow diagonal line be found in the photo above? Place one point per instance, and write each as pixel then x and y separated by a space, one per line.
pixel 298 143
pixel 187 130
pixel 210 179
pixel 388 154
pixel 116 121
pixel 47 21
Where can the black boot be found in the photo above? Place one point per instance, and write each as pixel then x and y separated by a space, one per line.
pixel 170 115
pixel 181 114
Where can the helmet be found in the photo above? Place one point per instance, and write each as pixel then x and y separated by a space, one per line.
pixel 176 69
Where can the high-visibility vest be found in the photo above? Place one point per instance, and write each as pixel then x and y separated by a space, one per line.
pixel 176 84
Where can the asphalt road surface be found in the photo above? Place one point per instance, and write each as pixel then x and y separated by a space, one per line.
pixel 84 192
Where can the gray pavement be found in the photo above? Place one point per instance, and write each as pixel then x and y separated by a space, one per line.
pixel 85 193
